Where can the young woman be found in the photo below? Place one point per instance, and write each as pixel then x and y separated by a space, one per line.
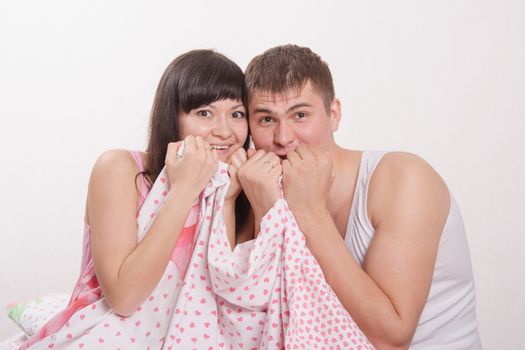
pixel 199 100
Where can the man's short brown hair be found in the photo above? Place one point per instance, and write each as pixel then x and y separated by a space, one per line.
pixel 289 67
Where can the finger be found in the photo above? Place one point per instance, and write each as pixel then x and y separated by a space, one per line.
pixel 276 173
pixel 214 155
pixel 236 154
pixel 232 155
pixel 171 152
pixel 293 158
pixel 286 165
pixel 241 152
pixel 177 149
pixel 251 152
pixel 254 159
pixel 268 162
pixel 174 146
pixel 239 159
pixel 243 156
pixel 277 170
pixel 206 144
pixel 274 159
pixel 199 141
pixel 271 159
pixel 236 148
pixel 305 152
pixel 211 156
pixel 252 162
pixel 189 143
pixel 232 171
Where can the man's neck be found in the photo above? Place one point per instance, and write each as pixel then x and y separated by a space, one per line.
pixel 345 164
pixel 344 160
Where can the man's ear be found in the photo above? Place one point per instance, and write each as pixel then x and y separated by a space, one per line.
pixel 335 114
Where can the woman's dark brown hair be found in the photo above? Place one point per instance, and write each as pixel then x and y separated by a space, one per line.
pixel 194 79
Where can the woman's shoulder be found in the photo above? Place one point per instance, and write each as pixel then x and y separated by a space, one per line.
pixel 113 178
pixel 116 163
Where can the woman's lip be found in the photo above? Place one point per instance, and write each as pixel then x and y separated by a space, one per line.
pixel 221 147
pixel 223 153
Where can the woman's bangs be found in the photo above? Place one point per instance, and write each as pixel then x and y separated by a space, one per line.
pixel 208 86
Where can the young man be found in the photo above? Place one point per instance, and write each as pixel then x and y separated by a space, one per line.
pixel 385 230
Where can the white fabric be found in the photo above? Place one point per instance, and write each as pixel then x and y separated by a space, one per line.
pixel 448 320
pixel 32 314
pixel 267 294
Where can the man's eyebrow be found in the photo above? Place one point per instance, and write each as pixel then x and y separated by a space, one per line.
pixel 297 106
pixel 262 110
pixel 291 109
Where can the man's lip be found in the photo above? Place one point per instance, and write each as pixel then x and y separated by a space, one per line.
pixel 281 153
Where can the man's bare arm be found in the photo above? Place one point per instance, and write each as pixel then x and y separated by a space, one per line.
pixel 408 206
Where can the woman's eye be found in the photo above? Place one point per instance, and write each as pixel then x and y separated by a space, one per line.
pixel 203 113
pixel 238 115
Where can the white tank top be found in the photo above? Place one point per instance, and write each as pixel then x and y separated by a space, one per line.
pixel 448 320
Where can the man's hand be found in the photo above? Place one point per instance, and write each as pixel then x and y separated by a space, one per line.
pixel 307 180
pixel 259 178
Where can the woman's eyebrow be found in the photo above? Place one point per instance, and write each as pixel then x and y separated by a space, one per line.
pixel 239 105
pixel 209 105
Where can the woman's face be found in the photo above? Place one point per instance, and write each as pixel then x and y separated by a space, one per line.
pixel 222 124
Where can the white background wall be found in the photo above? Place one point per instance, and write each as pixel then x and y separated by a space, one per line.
pixel 444 79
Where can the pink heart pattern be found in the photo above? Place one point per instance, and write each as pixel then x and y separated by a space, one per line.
pixel 268 293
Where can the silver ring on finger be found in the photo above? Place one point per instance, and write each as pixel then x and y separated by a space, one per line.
pixel 180 150
pixel 270 163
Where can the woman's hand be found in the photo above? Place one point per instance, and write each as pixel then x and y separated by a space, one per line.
pixel 191 172
pixel 235 162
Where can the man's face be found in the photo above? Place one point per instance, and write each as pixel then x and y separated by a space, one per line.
pixel 281 122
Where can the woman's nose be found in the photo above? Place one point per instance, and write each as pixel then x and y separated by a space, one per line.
pixel 222 128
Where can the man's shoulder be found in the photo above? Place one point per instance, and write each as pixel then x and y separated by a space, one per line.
pixel 392 163
pixel 402 161
pixel 401 172
pixel 405 183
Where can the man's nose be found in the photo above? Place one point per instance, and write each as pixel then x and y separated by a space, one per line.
pixel 284 135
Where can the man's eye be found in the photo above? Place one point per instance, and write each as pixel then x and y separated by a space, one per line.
pixel 301 115
pixel 238 115
pixel 265 120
